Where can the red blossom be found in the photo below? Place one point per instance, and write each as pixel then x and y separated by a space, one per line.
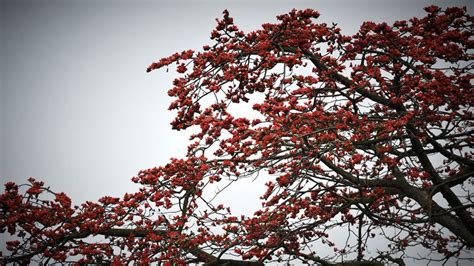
pixel 370 132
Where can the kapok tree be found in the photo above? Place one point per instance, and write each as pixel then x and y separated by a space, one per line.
pixel 368 135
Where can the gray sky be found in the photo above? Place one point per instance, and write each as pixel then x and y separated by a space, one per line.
pixel 77 108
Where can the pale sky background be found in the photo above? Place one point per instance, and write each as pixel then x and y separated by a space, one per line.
pixel 77 109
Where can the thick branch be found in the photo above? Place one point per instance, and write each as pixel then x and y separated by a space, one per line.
pixel 445 190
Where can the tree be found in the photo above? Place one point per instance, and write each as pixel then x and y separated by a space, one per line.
pixel 370 132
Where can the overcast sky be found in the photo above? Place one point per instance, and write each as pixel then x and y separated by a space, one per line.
pixel 76 106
